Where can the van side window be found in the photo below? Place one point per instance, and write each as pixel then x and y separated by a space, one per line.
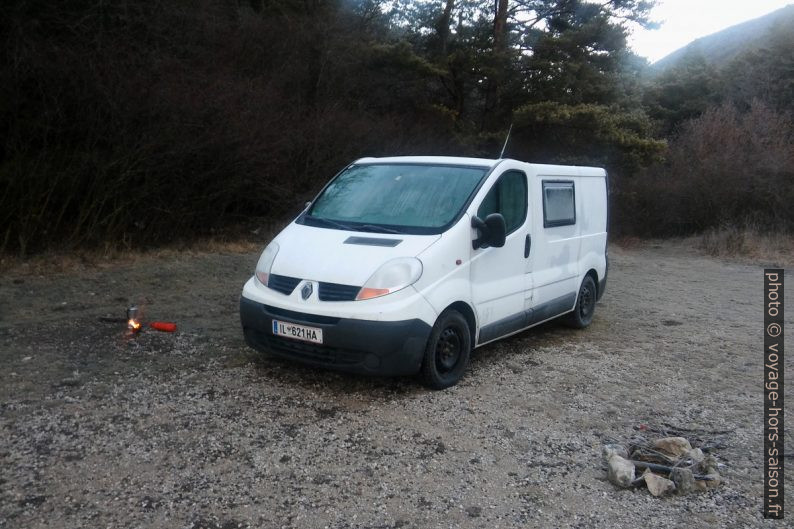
pixel 508 197
pixel 559 208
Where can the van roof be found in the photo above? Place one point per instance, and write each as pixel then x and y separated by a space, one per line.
pixel 439 160
pixel 546 169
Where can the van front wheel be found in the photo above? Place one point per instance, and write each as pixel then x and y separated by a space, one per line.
pixel 447 352
pixel 582 314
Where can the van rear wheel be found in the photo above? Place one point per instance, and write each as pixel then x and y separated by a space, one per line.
pixel 582 314
pixel 447 352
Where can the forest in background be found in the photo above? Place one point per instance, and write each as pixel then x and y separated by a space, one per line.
pixel 137 123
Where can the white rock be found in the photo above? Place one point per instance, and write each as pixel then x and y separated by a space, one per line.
pixel 621 471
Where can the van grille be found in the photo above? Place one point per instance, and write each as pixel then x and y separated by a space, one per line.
pixel 283 284
pixel 337 292
pixel 326 291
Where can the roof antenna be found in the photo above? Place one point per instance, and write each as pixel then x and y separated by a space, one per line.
pixel 506 140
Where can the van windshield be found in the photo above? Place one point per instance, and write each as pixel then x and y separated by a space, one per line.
pixel 395 198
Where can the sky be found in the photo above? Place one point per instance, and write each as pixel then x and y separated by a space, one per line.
pixel 685 20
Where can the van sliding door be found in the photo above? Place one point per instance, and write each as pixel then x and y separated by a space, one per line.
pixel 556 246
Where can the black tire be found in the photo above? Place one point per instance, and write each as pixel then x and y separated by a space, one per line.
pixel 582 314
pixel 447 352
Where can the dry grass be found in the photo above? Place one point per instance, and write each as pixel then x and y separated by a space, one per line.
pixel 748 243
pixel 628 242
pixel 62 262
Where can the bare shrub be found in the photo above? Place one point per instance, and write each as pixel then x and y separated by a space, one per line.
pixel 725 168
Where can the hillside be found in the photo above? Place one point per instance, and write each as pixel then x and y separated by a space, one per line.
pixel 719 48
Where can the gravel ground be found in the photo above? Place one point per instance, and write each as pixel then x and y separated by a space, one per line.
pixel 194 430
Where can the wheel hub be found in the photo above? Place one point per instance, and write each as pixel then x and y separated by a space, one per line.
pixel 587 302
pixel 448 350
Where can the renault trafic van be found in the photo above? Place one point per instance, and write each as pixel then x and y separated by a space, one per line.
pixel 403 265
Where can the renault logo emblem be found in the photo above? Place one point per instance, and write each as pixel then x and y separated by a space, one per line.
pixel 307 290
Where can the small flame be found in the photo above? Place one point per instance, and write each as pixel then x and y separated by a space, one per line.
pixel 133 325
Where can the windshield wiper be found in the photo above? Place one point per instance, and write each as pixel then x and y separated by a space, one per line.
pixel 375 228
pixel 347 227
pixel 332 223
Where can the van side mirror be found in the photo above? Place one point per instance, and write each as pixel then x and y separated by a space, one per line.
pixel 492 231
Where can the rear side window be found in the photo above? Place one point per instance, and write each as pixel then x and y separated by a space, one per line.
pixel 508 197
pixel 559 207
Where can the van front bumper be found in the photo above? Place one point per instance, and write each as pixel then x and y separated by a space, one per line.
pixel 360 346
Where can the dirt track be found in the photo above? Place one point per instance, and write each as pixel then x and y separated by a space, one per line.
pixel 193 430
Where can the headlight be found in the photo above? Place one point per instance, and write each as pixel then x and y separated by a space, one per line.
pixel 391 277
pixel 266 263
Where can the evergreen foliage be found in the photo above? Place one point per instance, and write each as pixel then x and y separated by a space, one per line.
pixel 135 123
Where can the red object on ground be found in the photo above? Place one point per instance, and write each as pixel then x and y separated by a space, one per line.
pixel 163 326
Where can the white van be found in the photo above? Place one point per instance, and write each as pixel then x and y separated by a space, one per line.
pixel 404 265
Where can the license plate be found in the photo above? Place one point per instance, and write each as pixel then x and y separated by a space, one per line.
pixel 297 332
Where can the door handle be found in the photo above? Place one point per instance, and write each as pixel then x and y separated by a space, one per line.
pixel 527 245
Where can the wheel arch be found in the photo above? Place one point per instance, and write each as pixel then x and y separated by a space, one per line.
pixel 468 313
pixel 592 273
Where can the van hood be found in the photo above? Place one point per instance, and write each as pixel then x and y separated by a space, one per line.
pixel 340 256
